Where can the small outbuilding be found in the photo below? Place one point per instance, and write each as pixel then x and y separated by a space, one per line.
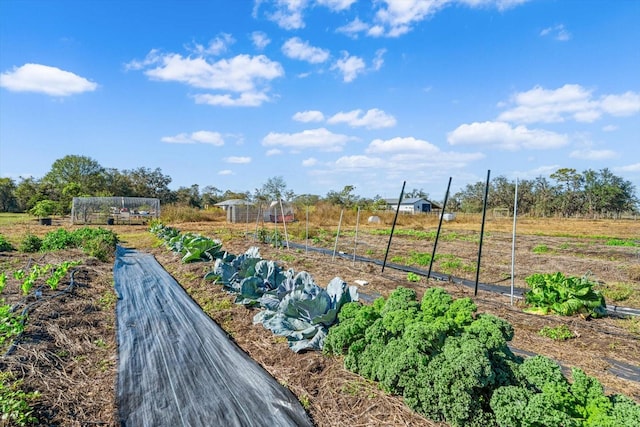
pixel 239 210
pixel 412 205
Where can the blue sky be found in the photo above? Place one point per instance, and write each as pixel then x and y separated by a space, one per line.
pixel 324 93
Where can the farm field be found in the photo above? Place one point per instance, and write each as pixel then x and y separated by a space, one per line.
pixel 68 352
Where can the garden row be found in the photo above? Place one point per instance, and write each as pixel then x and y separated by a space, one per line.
pixel 33 281
pixel 447 361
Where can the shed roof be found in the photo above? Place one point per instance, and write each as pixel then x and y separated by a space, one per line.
pixel 234 202
pixel 411 201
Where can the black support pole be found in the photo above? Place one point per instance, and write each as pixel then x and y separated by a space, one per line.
pixel 435 244
pixel 393 227
pixel 484 215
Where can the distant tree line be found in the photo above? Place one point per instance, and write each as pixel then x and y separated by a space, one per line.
pixel 569 193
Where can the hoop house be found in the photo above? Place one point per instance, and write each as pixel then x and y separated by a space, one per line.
pixel 114 210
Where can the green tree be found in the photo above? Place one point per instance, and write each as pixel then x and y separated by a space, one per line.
pixel 471 197
pixel 150 183
pixel 345 198
pixel 30 191
pixel 116 183
pixel 189 196
pixel 82 171
pixel 570 194
pixel 8 201
pixel 210 196
pixel 275 188
pixel 415 193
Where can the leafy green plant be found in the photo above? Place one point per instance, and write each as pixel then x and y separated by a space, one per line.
pixel 97 242
pixel 293 305
pixel 45 208
pixel 30 279
pixel 543 396
pixel 563 295
pixel 192 246
pixel 15 404
pixel 623 242
pixel 59 239
pixel 450 263
pixel 541 249
pixel 5 245
pixel 413 277
pixel 557 333
pixel 436 353
pixel 11 324
pixel 59 272
pixel 30 243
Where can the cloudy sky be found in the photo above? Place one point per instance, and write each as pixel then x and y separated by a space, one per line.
pixel 324 93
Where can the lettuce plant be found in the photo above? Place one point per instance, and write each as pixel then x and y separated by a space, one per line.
pixel 563 295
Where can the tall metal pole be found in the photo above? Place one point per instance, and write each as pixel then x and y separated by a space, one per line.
pixel 513 240
pixel 335 246
pixel 435 244
pixel 484 215
pixel 355 239
pixel 306 236
pixel 284 224
pixel 393 227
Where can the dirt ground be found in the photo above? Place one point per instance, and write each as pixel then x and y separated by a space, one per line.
pixel 68 352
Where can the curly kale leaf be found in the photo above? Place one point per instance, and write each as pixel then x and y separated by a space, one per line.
pixel 435 303
pixel 354 319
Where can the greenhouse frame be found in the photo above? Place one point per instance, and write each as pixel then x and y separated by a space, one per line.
pixel 114 210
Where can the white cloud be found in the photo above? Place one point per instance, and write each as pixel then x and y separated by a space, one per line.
pixel 421 166
pixel 202 137
pixel 558 32
pixel 237 159
pixel 571 101
pixel 287 14
pixel 589 154
pixel 273 152
pixel 378 61
pixel 308 116
pixel 260 39
pixel 349 66
pixel 216 46
pixel 353 28
pixel 225 172
pixel 626 104
pixel 297 49
pixel 399 15
pixel 320 138
pixel 45 79
pixel 358 162
pixel 545 171
pixel 336 5
pixel 246 99
pixel 610 128
pixel 503 136
pixel 244 74
pixel 392 18
pixel 635 167
pixel 372 119
pixel 398 144
pixel 311 161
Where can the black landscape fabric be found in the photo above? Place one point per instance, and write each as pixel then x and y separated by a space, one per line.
pixel 177 367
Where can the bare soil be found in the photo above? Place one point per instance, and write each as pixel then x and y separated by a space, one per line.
pixel 68 352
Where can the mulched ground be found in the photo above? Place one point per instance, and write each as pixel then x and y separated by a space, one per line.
pixel 68 352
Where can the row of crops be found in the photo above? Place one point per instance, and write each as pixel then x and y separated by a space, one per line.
pixel 449 362
pixel 38 282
